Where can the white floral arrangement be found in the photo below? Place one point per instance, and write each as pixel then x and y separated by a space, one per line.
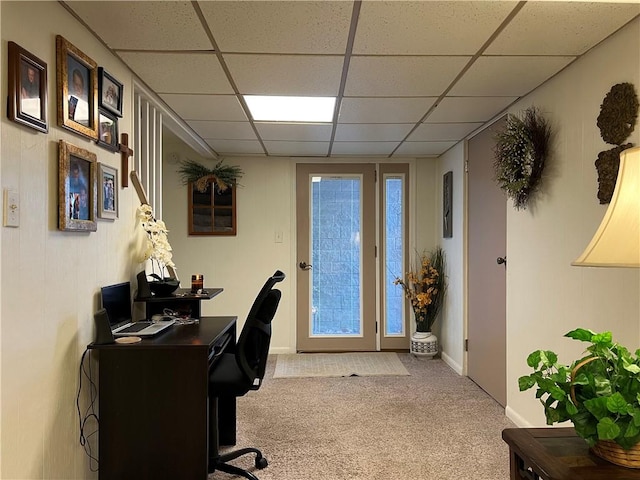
pixel 157 247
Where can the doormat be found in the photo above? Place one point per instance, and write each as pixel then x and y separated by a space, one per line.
pixel 338 365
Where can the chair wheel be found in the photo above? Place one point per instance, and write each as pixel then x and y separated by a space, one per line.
pixel 261 463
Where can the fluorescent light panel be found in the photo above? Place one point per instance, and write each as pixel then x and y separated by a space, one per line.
pixel 265 108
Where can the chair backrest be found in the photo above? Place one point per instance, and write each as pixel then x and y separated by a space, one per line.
pixel 252 347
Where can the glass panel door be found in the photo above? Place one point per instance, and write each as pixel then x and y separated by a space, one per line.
pixel 336 286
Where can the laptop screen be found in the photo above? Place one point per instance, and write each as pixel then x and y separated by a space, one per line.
pixel 116 300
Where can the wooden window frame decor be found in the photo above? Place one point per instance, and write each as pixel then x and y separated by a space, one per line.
pixel 110 92
pixel 200 209
pixel 84 68
pixel 447 205
pixel 27 99
pixel 108 192
pixel 108 130
pixel 76 185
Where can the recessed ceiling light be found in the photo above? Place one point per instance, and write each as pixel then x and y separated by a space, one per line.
pixel 265 108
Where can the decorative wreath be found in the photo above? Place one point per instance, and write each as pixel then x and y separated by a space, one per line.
pixel 520 153
pixel 618 113
pixel 222 175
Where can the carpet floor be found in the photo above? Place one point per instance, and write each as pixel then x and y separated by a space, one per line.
pixel 431 425
pixel 338 365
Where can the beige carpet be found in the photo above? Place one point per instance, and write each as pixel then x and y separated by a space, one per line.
pixel 430 425
pixel 366 364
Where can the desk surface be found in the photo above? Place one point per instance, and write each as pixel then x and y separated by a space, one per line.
pixel 559 454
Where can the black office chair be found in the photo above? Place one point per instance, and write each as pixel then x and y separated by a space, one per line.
pixel 234 374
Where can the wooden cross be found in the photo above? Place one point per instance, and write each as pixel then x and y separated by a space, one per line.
pixel 125 152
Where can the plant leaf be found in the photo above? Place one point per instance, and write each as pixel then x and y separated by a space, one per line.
pixel 597 407
pixel 617 404
pixel 580 334
pixel 533 360
pixel 603 338
pixel 526 382
pixel 548 358
pixel 607 429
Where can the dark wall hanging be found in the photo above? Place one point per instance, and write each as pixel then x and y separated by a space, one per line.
pixel 617 119
pixel 520 154
pixel 447 209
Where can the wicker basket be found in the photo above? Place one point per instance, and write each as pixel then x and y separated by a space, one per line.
pixel 614 453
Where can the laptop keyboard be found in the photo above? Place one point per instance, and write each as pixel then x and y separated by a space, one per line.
pixel 136 327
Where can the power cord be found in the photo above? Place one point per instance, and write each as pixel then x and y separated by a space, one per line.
pixel 90 413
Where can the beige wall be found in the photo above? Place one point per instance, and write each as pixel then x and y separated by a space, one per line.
pixel 50 279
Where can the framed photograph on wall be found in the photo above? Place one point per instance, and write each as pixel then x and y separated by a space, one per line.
pixel 107 192
pixel 108 130
pixel 110 92
pixel 76 189
pixel 77 86
pixel 27 89
pixel 447 208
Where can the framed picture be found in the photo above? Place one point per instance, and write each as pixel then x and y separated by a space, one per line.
pixel 27 89
pixel 108 192
pixel 109 92
pixel 77 85
pixel 76 189
pixel 107 130
pixel 447 207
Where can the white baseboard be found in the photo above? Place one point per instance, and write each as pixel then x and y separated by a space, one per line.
pixel 280 350
pixel 449 361
pixel 517 419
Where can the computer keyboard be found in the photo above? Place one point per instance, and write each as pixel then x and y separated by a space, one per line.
pixel 136 327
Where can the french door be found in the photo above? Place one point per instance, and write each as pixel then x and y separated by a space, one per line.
pixel 340 277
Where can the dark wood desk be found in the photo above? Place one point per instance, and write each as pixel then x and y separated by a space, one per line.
pixel 153 403
pixel 557 454
pixel 181 301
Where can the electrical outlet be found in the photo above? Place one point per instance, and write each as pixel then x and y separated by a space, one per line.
pixel 11 212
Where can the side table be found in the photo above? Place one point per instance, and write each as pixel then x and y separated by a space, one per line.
pixel 557 454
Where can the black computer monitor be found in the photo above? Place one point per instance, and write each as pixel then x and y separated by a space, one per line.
pixel 116 300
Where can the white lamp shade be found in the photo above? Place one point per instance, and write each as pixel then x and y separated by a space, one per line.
pixel 616 243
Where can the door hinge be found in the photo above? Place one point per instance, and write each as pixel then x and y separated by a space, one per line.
pixel 376 327
pixel 466 166
pixel 466 344
pixel 375 176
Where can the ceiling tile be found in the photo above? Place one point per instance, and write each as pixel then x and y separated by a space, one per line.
pixel 144 25
pixel 427 27
pixel 442 131
pixel 205 107
pixel 298 149
pixel 408 76
pixel 165 72
pixel 469 109
pixel 384 110
pixel 236 147
pixel 286 74
pixel 363 148
pixel 420 149
pixel 301 132
pixel 372 132
pixel 561 28
pixel 511 76
pixel 223 130
pixel 279 26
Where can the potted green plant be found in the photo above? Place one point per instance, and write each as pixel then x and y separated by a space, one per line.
pixel 599 393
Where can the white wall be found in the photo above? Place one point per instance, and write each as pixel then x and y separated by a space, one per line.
pixel 452 331
pixel 546 296
pixel 50 279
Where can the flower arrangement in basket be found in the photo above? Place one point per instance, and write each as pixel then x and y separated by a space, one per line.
pixel 599 393
pixel 157 248
pixel 425 288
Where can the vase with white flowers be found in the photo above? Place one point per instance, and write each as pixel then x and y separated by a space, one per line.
pixel 158 251
pixel 425 287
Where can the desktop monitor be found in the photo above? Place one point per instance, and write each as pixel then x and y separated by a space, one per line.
pixel 116 300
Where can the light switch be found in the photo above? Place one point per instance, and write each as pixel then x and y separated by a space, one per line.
pixel 11 212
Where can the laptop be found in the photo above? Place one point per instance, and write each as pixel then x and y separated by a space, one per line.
pixel 116 300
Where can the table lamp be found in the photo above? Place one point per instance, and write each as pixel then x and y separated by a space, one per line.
pixel 616 243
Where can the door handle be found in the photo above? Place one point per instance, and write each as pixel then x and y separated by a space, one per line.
pixel 305 266
pixel 501 260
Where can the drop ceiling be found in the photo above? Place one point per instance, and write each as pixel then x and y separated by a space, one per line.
pixel 412 78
